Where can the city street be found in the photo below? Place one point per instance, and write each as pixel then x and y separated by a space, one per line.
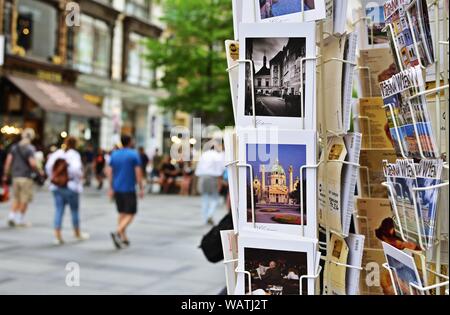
pixel 275 106
pixel 163 257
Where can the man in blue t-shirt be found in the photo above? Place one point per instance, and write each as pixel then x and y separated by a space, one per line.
pixel 124 173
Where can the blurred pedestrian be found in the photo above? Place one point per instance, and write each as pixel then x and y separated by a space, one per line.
pixel 124 173
pixel 3 154
pixel 144 162
pixel 168 174
pixel 99 166
pixel 187 174
pixel 22 164
pixel 156 164
pixel 65 170
pixel 210 168
pixel 88 164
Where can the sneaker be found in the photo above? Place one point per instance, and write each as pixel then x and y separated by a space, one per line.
pixel 58 241
pixel 116 240
pixel 83 236
pixel 126 243
pixel 11 223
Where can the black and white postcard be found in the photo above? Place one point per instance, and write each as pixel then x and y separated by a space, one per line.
pixel 280 78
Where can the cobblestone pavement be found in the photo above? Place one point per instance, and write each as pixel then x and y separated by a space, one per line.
pixel 163 257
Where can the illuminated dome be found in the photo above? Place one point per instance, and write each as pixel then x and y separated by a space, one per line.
pixel 278 169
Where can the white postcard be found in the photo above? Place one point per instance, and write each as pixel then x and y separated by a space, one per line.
pixel 279 11
pixel 237 16
pixel 276 265
pixel 232 51
pixel 276 52
pixel 274 185
pixel 230 254
pixel 231 149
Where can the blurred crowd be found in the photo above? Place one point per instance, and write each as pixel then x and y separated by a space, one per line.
pixel 68 168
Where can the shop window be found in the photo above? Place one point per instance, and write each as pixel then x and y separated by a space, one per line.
pixel 138 8
pixel 92 46
pixel 37 28
pixel 138 68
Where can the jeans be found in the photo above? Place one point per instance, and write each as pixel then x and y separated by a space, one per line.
pixel 209 204
pixel 63 197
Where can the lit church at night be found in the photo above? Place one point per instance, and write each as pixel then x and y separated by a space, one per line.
pixel 272 187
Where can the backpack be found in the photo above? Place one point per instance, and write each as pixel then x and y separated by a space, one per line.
pixel 60 173
pixel 211 243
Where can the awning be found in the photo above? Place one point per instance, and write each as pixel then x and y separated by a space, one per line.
pixel 55 97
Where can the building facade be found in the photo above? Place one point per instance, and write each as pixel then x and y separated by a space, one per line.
pixel 93 47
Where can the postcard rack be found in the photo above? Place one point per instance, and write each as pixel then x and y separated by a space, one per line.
pixel 441 68
pixel 324 133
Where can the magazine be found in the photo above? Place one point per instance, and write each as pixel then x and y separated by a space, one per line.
pixel 395 14
pixel 429 174
pixel 374 280
pixel 407 114
pixel 418 16
pixel 371 122
pixel 402 179
pixel 402 15
pixel 371 175
pixel 371 215
pixel 377 65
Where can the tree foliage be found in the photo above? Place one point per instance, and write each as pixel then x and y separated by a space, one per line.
pixel 192 58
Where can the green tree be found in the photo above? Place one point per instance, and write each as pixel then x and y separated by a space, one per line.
pixel 192 58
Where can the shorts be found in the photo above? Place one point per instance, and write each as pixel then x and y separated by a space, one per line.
pixel 126 202
pixel 22 189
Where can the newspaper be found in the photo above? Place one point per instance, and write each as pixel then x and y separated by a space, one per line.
pixel 349 176
pixel 355 243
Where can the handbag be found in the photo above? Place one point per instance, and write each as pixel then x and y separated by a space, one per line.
pixel 4 192
pixel 211 243
pixel 60 173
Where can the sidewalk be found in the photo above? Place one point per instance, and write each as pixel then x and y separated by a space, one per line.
pixel 163 257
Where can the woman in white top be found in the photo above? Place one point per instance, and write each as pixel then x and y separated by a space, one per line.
pixel 66 192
